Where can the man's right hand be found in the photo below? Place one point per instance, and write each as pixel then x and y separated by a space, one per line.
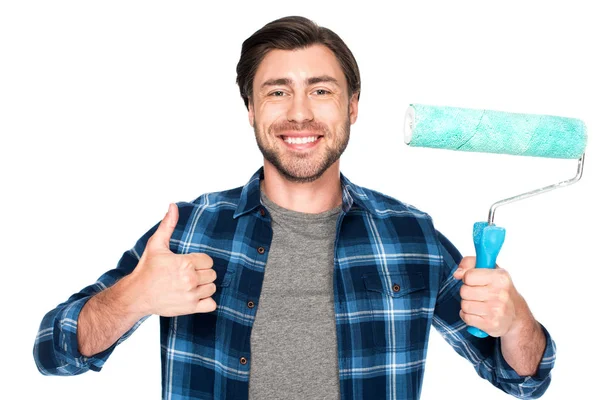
pixel 172 284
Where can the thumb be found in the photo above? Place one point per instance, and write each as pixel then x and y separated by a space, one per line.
pixel 466 264
pixel 162 236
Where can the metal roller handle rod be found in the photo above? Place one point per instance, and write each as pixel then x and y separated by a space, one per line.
pixel 537 191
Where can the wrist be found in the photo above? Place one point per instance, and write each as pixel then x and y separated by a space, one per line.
pixel 131 297
pixel 524 320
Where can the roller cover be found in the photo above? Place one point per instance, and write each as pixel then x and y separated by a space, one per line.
pixel 489 131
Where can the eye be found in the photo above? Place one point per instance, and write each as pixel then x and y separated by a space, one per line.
pixel 322 91
pixel 277 93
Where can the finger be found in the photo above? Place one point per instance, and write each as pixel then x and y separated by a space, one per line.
pixel 479 276
pixel 475 293
pixel 206 276
pixel 502 278
pixel 160 239
pixel 201 260
pixel 204 291
pixel 206 305
pixel 474 307
pixel 472 320
pixel 465 264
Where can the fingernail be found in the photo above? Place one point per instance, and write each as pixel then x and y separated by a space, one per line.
pixel 458 271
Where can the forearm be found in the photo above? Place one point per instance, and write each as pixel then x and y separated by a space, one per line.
pixel 523 345
pixel 107 316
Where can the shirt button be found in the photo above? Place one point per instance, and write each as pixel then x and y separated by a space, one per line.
pixel 250 304
pixel 262 211
pixel 396 287
pixel 261 250
pixel 243 361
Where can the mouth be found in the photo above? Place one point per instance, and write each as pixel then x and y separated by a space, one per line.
pixel 300 141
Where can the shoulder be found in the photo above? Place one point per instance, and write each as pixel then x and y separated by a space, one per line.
pixel 210 204
pixel 384 206
pixel 388 207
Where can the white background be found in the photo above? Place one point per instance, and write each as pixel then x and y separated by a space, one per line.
pixel 110 110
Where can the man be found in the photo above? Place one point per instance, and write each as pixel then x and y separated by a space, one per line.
pixel 299 284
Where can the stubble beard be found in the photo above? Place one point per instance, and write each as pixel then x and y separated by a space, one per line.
pixel 303 167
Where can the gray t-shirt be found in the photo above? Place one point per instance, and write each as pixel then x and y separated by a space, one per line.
pixel 293 341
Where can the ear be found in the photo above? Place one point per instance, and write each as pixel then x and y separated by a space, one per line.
pixel 251 113
pixel 353 108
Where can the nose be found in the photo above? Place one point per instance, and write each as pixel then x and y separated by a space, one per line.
pixel 300 109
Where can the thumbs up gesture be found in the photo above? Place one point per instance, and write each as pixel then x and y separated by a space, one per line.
pixel 173 284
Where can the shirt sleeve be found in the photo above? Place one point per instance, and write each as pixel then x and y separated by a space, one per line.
pixel 484 353
pixel 55 350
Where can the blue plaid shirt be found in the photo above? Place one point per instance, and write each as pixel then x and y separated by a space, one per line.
pixel 392 282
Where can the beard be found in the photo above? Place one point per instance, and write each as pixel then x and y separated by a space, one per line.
pixel 303 167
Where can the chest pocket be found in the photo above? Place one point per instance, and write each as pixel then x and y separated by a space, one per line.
pixel 398 309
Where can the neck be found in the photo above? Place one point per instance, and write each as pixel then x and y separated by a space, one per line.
pixel 314 197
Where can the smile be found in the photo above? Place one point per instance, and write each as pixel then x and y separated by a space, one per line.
pixel 299 140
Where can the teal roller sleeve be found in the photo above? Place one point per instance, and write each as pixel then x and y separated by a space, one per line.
pixel 488 241
pixel 489 131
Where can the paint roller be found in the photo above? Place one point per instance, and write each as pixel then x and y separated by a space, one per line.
pixel 487 131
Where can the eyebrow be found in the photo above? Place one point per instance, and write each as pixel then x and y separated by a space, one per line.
pixel 307 81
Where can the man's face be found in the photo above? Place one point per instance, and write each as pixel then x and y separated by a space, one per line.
pixel 301 112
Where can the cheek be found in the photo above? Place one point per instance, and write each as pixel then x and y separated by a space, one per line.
pixel 269 115
pixel 332 112
pixel 272 109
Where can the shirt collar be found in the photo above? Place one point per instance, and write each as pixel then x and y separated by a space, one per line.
pixel 352 195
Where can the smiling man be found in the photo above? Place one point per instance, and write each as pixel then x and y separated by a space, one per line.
pixel 300 284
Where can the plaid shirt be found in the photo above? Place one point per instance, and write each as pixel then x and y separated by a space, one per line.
pixel 392 282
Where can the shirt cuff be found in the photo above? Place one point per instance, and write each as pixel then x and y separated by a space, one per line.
pixel 506 373
pixel 65 338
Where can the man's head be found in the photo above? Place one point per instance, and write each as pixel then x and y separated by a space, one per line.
pixel 300 82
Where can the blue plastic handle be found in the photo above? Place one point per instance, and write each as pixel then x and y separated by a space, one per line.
pixel 488 241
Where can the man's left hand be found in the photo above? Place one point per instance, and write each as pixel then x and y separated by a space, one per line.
pixel 490 301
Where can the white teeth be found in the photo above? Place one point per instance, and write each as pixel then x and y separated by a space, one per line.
pixel 302 140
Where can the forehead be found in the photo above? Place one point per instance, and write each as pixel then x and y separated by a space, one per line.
pixel 299 64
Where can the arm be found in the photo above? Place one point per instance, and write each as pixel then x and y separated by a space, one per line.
pixel 81 333
pixel 56 348
pixel 523 346
pixel 487 354
pixel 107 316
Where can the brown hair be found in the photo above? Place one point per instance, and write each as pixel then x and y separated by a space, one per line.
pixel 290 33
